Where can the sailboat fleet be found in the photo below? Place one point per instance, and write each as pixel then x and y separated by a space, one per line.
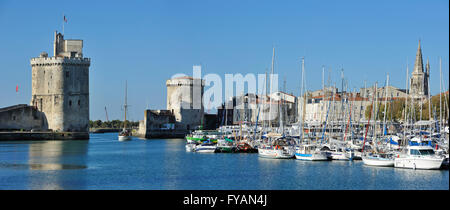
pixel 414 147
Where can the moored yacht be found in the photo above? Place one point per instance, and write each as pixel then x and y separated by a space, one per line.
pixel 280 149
pixel 206 147
pixel 418 157
pixel 378 159
pixel 309 152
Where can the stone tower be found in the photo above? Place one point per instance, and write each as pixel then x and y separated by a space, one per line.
pixel 184 103
pixel 60 86
pixel 419 78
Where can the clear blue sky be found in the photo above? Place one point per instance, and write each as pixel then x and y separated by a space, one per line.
pixel 146 42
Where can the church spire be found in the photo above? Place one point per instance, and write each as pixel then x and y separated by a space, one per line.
pixel 418 65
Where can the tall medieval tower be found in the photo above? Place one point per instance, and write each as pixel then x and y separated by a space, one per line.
pixel 60 86
pixel 419 78
pixel 184 100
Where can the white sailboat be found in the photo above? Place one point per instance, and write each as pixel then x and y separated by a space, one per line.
pixel 125 135
pixel 377 158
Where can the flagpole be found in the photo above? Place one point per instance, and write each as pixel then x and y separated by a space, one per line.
pixel 63 23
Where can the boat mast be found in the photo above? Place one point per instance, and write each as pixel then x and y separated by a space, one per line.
pixel 271 88
pixel 406 106
pixel 303 92
pixel 375 112
pixel 367 125
pixel 429 98
pixel 386 89
pixel 125 107
pixel 440 96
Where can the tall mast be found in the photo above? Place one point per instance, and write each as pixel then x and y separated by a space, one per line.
pixel 125 106
pixel 303 94
pixel 406 104
pixel 375 115
pixel 106 114
pixel 429 95
pixel 386 90
pixel 271 89
pixel 440 95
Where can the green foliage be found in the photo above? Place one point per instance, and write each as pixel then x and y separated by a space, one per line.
pixel 396 109
pixel 111 124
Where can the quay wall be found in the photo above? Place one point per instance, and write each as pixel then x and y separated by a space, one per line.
pixel 169 134
pixel 19 136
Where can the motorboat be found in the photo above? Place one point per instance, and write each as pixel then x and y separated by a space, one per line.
pixel 280 149
pixel 341 154
pixel 190 147
pixel 206 147
pixel 378 159
pixel 225 145
pixel 418 157
pixel 309 152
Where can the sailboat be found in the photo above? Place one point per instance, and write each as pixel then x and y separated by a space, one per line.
pixel 276 145
pixel 377 158
pixel 306 151
pixel 125 135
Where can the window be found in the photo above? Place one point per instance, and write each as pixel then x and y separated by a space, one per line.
pixel 415 152
pixel 426 152
pixel 67 74
pixel 70 103
pixel 79 103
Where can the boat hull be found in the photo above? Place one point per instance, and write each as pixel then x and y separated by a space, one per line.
pixel 190 147
pixel 226 149
pixel 418 163
pixel 124 138
pixel 340 156
pixel 275 153
pixel 207 149
pixel 311 157
pixel 381 162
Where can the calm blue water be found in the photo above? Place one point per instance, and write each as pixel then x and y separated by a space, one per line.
pixel 105 163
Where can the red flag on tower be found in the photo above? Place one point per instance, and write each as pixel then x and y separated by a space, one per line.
pixel 65 20
pixel 17 88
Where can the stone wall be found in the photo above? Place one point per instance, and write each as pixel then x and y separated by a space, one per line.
pixel 159 124
pixel 22 117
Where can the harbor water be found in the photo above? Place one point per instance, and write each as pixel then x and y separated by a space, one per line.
pixel 163 164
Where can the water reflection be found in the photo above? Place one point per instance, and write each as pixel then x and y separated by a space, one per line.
pixel 173 163
pixel 48 159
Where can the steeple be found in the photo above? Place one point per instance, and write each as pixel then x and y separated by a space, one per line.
pixel 418 65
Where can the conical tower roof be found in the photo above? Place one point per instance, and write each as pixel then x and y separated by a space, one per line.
pixel 418 64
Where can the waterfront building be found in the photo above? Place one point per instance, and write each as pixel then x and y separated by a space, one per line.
pixel 251 108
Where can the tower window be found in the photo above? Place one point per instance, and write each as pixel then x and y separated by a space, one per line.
pixel 70 103
pixel 67 74
pixel 79 103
